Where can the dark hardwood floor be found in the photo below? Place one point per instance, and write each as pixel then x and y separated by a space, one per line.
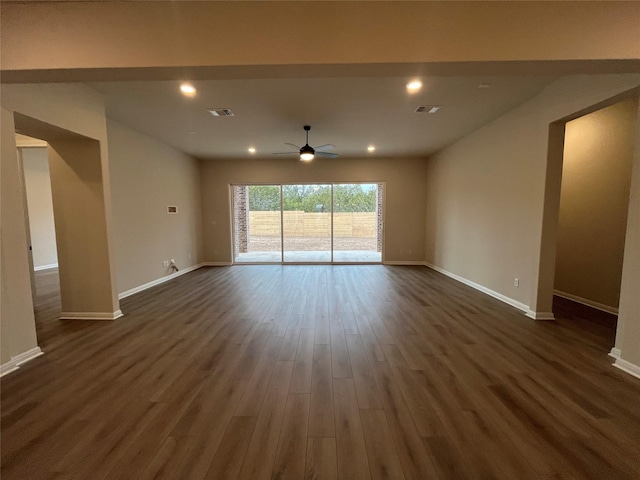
pixel 319 372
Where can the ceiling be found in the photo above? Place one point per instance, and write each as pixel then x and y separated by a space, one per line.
pixel 351 113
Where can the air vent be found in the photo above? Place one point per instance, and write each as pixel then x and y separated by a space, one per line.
pixel 221 112
pixel 427 109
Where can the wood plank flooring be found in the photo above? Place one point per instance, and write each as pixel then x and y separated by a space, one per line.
pixel 320 372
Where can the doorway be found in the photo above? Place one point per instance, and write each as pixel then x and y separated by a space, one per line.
pixel 308 223
pixel 39 219
pixel 80 207
pixel 594 203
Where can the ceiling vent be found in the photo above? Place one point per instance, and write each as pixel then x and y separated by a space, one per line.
pixel 427 109
pixel 221 112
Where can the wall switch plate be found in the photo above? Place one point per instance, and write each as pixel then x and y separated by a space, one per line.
pixel 516 282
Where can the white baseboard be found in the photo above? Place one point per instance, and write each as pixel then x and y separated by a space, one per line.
pixel 628 367
pixel 158 281
pixel 15 362
pixel 404 262
pixel 625 366
pixel 485 290
pixel 91 315
pixel 540 315
pixel 216 264
pixel 587 302
pixel 45 267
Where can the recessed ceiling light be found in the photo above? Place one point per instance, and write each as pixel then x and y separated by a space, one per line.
pixel 371 148
pixel 413 86
pixel 188 90
pixel 252 150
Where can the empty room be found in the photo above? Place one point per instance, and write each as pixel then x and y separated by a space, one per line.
pixel 320 240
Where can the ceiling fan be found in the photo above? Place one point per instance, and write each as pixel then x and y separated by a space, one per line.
pixel 307 152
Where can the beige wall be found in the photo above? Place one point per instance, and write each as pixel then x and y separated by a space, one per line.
pixel 17 326
pixel 486 192
pixel 176 34
pixel 87 283
pixel 596 177
pixel 628 332
pixel 41 223
pixel 405 197
pixel 146 177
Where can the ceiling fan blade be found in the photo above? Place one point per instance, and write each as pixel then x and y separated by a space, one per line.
pixel 326 154
pixel 293 145
pixel 286 153
pixel 325 146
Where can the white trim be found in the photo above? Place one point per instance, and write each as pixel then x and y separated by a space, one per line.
pixel 8 367
pixel 485 290
pixel 91 315
pixel 45 267
pixel 625 366
pixel 404 262
pixel 628 367
pixel 227 264
pixel 158 281
pixel 540 315
pixel 15 362
pixel 587 302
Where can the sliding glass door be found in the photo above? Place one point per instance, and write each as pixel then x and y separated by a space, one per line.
pixel 308 223
pixel 257 224
pixel 357 223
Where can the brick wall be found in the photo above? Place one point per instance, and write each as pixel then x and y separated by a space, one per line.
pixel 379 215
pixel 241 219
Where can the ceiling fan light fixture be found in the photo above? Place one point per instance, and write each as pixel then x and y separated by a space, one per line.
pixel 307 153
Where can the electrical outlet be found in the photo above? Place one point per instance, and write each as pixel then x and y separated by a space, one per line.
pixel 516 282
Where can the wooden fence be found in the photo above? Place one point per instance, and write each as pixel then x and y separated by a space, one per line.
pixel 298 223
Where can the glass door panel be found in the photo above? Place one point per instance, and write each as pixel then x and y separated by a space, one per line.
pixel 322 223
pixel 257 224
pixel 306 223
pixel 356 223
